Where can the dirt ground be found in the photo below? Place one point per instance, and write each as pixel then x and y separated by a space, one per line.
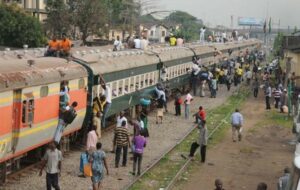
pixel 161 138
pixel 260 157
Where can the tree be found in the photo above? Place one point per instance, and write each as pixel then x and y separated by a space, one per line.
pixel 277 46
pixel 89 16
pixel 190 25
pixel 58 19
pixel 17 28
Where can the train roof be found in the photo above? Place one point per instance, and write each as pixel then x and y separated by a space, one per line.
pixel 103 62
pixel 28 71
pixel 107 62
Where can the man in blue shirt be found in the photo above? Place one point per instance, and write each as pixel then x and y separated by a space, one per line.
pixel 236 123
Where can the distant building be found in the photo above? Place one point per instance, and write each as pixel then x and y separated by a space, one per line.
pixel 157 33
pixel 291 48
pixel 36 8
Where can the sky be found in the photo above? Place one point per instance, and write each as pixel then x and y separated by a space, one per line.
pixel 218 12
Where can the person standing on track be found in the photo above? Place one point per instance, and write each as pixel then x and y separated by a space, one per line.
pixel 160 109
pixel 139 143
pixel 52 161
pixel 203 137
pixel 187 102
pixel 236 123
pixel 201 142
pixel 121 140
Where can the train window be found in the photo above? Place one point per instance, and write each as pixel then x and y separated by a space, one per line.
pixel 132 84
pixel 28 111
pixel 44 91
pixel 127 85
pixel 121 87
pixel 155 77
pixel 81 83
pixel 114 89
pixel 137 82
pixel 142 81
pixel 150 79
pixel 146 79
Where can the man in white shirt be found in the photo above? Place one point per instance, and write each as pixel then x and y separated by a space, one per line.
pixel 52 162
pixel 107 94
pixel 202 34
pixel 144 43
pixel 121 118
pixel 117 44
pixel 137 43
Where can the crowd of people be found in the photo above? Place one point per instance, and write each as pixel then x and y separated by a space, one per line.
pixel 228 71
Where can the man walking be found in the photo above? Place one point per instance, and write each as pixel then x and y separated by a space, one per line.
pixel 277 94
pixel 121 140
pixel 201 142
pixel 139 143
pixel 255 87
pixel 268 95
pixel 52 161
pixel 236 123
pixel 283 180
pixel 203 137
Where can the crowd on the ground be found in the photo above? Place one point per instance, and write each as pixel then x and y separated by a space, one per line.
pixel 225 71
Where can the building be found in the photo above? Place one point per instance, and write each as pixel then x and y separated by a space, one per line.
pixel 291 47
pixel 36 8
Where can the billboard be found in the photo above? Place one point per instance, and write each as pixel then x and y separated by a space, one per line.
pixel 246 21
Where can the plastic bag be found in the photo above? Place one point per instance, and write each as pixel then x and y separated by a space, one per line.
pixel 87 170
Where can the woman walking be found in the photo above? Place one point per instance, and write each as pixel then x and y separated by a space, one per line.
pixel 98 159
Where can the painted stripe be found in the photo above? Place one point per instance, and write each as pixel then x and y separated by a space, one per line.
pixel 37 128
pixel 34 146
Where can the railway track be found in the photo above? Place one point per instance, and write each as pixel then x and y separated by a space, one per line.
pixel 188 160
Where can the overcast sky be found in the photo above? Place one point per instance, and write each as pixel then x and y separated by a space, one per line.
pixel 218 12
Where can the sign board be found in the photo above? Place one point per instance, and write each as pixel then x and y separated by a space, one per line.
pixel 245 21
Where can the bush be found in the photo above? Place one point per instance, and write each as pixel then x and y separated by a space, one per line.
pixel 18 28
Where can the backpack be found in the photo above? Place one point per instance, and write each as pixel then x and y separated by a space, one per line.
pixel 70 115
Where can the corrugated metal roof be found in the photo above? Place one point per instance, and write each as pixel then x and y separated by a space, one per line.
pixel 20 73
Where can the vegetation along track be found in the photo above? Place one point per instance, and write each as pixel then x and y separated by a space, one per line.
pixel 164 172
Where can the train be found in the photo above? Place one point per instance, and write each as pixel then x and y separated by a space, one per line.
pixel 30 84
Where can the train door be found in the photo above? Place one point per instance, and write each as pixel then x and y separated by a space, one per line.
pixel 17 110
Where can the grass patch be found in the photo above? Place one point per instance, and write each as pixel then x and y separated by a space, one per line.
pixel 275 118
pixel 166 169
pixel 246 150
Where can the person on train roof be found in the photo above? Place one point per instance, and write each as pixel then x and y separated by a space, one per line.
pixel 53 47
pixel 65 46
pixel 173 40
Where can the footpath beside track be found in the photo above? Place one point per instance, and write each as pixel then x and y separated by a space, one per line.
pixel 170 165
